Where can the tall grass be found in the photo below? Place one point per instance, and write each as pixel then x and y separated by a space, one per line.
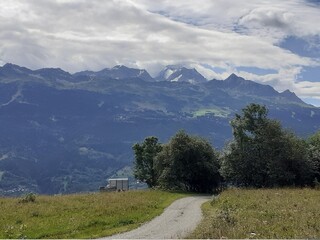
pixel 269 213
pixel 80 216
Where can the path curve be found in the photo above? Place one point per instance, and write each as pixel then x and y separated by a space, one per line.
pixel 177 221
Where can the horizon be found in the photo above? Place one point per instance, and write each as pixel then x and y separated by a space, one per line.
pixel 316 104
pixel 271 42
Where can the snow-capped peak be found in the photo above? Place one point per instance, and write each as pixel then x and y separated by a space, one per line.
pixel 176 73
pixel 117 67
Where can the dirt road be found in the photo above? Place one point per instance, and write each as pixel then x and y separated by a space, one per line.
pixel 177 221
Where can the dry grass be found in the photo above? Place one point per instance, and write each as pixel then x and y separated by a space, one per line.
pixel 82 215
pixel 268 213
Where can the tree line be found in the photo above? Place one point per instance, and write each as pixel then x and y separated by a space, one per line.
pixel 261 154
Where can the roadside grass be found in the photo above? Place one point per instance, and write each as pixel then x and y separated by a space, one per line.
pixel 264 213
pixel 81 215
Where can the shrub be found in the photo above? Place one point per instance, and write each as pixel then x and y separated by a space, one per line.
pixel 30 197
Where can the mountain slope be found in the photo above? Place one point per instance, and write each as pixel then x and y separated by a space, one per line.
pixel 63 133
pixel 117 72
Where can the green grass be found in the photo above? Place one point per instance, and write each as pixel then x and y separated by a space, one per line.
pixel 218 112
pixel 82 215
pixel 269 213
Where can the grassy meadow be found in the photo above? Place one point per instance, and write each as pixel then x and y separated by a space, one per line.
pixel 81 215
pixel 218 112
pixel 264 213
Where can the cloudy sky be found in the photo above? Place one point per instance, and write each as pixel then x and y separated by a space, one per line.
pixel 275 42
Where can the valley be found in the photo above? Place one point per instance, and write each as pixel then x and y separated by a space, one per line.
pixel 67 133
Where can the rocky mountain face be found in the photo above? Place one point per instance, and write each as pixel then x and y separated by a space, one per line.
pixel 175 73
pixel 63 133
pixel 117 72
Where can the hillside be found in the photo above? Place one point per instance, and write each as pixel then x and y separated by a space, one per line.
pixel 64 133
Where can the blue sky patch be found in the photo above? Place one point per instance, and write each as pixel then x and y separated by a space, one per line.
pixel 317 2
pixel 308 47
pixel 311 74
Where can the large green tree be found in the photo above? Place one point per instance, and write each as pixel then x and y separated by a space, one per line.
pixel 188 163
pixel 145 153
pixel 263 154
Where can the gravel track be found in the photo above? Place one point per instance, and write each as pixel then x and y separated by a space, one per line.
pixel 177 221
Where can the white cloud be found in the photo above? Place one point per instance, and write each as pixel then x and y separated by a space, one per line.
pixel 112 31
pixel 278 18
pixel 308 89
pixel 78 35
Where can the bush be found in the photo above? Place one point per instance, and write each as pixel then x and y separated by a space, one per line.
pixel 30 197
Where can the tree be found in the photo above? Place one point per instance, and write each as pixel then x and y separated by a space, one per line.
pixel 242 163
pixel 188 163
pixel 145 154
pixel 262 154
pixel 314 154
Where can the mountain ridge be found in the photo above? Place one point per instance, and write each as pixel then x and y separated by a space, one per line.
pixel 178 73
pixel 63 133
pixel 118 72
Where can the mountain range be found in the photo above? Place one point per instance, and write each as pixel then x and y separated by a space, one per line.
pixel 63 133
